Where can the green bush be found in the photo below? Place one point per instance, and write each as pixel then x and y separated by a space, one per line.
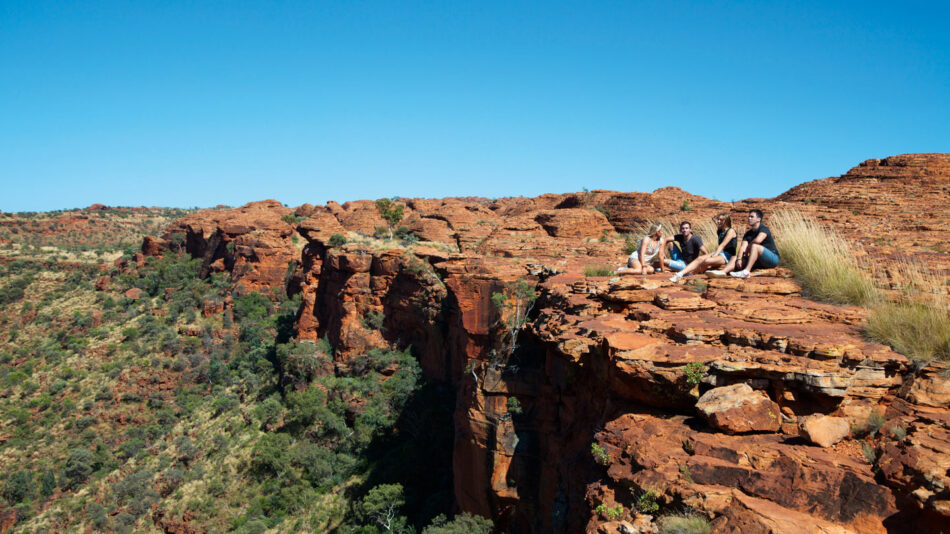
pixel 463 523
pixel 18 487
pixel 374 320
pixel 646 502
pixel 694 372
pixel 600 454
pixel 270 456
pixel 337 240
pixel 610 513
pixel 79 465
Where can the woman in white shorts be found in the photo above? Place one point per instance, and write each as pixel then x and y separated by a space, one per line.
pixel 649 254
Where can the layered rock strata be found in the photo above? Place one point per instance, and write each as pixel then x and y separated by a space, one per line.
pixel 599 404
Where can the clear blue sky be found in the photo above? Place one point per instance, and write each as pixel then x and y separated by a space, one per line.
pixel 207 102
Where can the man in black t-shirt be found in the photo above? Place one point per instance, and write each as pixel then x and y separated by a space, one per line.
pixel 690 247
pixel 758 248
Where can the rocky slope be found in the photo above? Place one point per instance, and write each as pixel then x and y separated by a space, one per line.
pixel 737 400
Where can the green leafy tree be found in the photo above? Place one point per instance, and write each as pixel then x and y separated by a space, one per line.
pixel 513 304
pixel 461 524
pixel 390 212
pixel 381 507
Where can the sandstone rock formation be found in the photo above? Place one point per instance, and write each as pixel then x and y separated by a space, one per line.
pixel 824 430
pixel 738 408
pixel 616 365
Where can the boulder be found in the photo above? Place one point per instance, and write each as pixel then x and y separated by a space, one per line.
pixel 134 293
pixel 102 283
pixel 824 430
pixel 739 408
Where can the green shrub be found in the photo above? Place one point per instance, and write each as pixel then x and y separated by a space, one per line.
pixel 600 454
pixel 686 205
pixel 646 502
pixel 514 406
pixel 337 240
pixel 18 487
pixel 463 523
pixel 610 513
pixel 694 372
pixel 374 320
pixel 270 456
pixel 79 465
pixel 290 218
pixel 224 403
pixel 269 412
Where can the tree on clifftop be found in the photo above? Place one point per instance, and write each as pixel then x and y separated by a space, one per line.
pixel 390 212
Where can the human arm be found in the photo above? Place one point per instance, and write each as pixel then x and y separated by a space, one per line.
pixel 642 255
pixel 663 243
pixel 741 253
pixel 730 235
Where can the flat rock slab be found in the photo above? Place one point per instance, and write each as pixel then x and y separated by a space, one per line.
pixel 739 408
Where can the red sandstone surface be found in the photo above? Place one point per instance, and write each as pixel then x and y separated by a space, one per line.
pixel 606 361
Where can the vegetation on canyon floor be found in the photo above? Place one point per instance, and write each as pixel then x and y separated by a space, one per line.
pixel 147 403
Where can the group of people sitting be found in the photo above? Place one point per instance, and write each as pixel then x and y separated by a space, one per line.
pixel 685 253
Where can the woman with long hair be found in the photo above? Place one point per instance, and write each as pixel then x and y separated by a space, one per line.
pixel 726 235
pixel 649 256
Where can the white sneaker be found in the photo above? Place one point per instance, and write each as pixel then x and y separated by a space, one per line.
pixel 675 278
pixel 740 274
pixel 716 273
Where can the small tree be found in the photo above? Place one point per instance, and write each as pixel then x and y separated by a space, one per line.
pixel 390 212
pixel 381 506
pixel 514 305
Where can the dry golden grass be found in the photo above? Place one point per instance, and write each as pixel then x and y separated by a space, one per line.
pixel 917 330
pixel 823 262
pixel 915 322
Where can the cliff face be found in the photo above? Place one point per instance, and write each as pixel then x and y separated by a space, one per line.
pixel 711 396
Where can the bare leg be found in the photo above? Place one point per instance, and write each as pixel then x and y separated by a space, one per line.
pixel 753 255
pixel 710 262
pixel 731 266
pixel 693 265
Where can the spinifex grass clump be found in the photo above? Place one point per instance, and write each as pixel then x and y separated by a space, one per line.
pixel 822 260
pixel 917 322
pixel 597 270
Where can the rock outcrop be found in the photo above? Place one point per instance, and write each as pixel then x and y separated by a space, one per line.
pixel 697 395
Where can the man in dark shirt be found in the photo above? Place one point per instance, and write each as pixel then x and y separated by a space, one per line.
pixel 690 247
pixel 758 248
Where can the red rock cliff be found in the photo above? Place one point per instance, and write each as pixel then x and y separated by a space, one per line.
pixel 739 400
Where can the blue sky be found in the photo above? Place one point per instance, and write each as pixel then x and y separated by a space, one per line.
pixel 200 103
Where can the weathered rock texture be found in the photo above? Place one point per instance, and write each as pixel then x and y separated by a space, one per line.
pixel 621 362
